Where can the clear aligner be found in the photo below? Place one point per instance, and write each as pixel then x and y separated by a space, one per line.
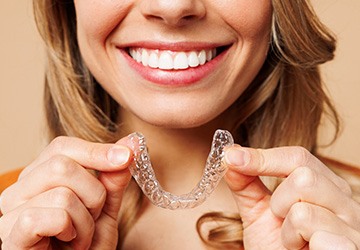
pixel 144 174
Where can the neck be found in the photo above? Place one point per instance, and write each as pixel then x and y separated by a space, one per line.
pixel 178 156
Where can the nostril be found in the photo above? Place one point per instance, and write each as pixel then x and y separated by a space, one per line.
pixel 174 13
pixel 173 20
pixel 189 17
pixel 154 17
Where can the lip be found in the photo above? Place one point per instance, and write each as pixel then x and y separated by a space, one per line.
pixel 174 77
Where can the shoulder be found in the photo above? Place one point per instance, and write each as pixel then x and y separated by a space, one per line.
pixel 9 178
pixel 350 173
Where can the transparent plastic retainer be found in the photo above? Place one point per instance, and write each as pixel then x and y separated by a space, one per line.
pixel 144 174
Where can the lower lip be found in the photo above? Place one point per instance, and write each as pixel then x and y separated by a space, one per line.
pixel 175 77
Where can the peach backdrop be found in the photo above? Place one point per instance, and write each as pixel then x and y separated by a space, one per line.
pixel 21 77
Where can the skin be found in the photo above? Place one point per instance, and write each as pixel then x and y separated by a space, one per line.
pixel 246 28
pixel 57 196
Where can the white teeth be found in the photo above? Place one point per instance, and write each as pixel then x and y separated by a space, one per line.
pixel 169 60
pixel 153 60
pixel 193 60
pixel 208 55
pixel 202 57
pixel 181 61
pixel 138 56
pixel 166 61
pixel 144 58
pixel 132 53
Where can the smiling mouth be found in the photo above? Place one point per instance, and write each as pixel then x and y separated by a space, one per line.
pixel 174 60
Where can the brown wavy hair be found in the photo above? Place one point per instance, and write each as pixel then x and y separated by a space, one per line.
pixel 284 105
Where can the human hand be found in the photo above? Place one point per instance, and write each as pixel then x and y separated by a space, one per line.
pixel 57 200
pixel 311 209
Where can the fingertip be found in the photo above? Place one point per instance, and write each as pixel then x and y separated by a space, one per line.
pixel 118 155
pixel 237 157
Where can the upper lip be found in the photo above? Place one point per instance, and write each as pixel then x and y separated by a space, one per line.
pixel 173 46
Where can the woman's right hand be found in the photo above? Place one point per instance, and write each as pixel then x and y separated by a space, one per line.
pixel 57 199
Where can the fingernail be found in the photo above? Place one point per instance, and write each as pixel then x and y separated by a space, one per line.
pixel 237 157
pixel 118 155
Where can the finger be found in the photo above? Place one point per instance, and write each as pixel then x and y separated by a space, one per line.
pixel 278 162
pixel 66 199
pixel 96 156
pixel 62 198
pixel 61 170
pixel 304 220
pixel 304 184
pixel 107 223
pixel 115 184
pixel 322 240
pixel 251 195
pixel 35 225
pixel 56 172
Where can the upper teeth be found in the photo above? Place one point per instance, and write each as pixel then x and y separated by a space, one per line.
pixel 166 59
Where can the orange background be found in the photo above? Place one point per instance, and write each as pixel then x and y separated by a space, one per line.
pixel 21 80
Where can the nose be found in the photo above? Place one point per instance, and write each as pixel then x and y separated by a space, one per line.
pixel 173 12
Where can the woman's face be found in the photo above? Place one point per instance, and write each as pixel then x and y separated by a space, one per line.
pixel 174 63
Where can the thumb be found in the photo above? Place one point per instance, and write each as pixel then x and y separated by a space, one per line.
pixel 251 195
pixel 115 182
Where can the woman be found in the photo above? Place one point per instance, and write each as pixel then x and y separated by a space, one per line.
pixel 176 71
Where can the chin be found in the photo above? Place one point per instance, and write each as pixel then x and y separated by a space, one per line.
pixel 179 120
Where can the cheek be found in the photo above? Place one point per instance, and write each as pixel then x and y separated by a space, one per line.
pixel 96 19
pixel 250 19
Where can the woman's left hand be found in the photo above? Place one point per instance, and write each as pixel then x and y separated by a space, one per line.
pixel 312 207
